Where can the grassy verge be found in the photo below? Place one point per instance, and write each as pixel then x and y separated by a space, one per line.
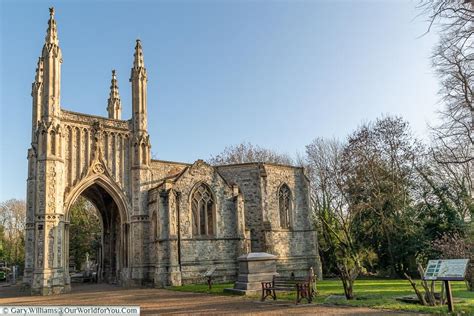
pixel 380 294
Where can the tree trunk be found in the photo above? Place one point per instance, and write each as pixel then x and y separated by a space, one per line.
pixel 347 278
pixel 390 252
pixel 429 294
pixel 420 295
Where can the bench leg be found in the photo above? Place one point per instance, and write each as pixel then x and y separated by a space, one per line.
pixel 265 293
pixel 308 294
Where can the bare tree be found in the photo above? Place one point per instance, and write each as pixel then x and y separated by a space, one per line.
pixel 453 137
pixel 454 17
pixel 335 221
pixel 246 152
pixel 13 221
pixel 446 184
pixel 453 60
pixel 454 246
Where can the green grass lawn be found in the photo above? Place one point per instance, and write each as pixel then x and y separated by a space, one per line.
pixel 371 293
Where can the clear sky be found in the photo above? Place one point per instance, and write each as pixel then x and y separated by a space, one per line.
pixel 274 73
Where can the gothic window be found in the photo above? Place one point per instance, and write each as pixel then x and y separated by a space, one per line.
pixel 284 200
pixel 202 206
pixel 53 143
pixel 154 226
pixel 144 157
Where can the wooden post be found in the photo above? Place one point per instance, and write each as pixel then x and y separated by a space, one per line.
pixel 209 282
pixel 449 295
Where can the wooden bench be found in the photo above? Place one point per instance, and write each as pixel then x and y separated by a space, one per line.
pixel 304 287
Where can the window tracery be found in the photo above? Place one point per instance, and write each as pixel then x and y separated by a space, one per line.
pixel 284 200
pixel 202 206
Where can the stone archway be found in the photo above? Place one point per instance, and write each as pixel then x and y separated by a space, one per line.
pixel 114 255
pixel 104 158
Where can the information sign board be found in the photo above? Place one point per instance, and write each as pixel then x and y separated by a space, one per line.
pixel 447 270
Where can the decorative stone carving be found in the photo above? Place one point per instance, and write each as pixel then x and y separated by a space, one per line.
pixel 98 168
pixel 72 153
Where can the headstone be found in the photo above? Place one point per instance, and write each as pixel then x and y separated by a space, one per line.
pixel 254 268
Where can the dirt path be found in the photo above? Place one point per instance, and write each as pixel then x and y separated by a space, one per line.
pixel 165 302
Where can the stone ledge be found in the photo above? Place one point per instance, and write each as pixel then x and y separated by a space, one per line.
pixel 257 256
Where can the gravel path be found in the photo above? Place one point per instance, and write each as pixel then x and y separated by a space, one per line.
pixel 165 302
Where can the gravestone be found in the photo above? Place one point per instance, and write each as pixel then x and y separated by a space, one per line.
pixel 254 268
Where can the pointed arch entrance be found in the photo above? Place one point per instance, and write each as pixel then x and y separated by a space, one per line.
pixel 113 259
pixel 107 159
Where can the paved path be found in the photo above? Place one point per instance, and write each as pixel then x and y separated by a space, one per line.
pixel 165 302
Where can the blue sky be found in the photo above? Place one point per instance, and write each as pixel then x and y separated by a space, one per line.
pixel 274 73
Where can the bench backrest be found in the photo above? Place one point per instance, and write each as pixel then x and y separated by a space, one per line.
pixel 288 281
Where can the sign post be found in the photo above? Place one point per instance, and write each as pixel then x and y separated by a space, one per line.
pixel 446 270
pixel 449 295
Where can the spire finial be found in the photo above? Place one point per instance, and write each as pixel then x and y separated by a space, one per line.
pixel 114 92
pixel 138 56
pixel 52 32
pixel 114 105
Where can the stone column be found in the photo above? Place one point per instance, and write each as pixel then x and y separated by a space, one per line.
pixel 242 232
pixel 174 268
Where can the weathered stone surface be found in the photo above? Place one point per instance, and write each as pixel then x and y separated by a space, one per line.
pixel 164 222
pixel 254 268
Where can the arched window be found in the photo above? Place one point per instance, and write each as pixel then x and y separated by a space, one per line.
pixel 154 226
pixel 284 200
pixel 202 206
pixel 144 157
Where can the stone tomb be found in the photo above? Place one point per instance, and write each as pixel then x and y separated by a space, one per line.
pixel 254 268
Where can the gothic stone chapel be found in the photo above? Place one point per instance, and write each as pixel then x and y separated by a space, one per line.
pixel 163 222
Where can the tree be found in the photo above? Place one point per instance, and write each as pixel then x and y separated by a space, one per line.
pixel 444 198
pixel 12 231
pixel 454 246
pixel 379 164
pixel 85 231
pixel 453 137
pixel 454 18
pixel 2 242
pixel 246 152
pixel 340 249
pixel 453 61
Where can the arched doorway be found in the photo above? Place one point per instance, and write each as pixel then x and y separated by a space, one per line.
pixel 113 258
pixel 85 241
